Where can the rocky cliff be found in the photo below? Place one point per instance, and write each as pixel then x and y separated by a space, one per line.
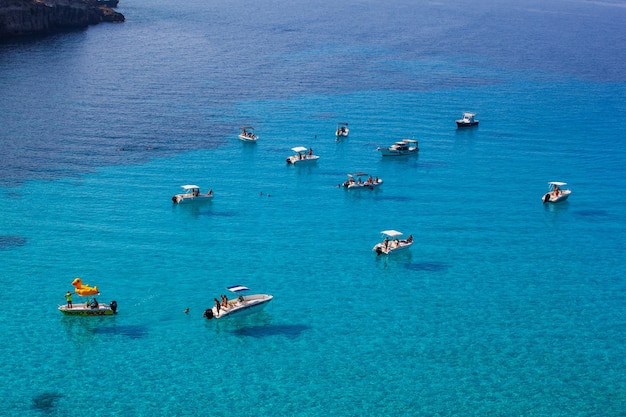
pixel 30 17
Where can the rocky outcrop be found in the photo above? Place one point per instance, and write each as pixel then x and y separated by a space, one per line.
pixel 31 17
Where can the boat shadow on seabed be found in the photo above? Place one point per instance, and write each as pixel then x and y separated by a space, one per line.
pixel 258 326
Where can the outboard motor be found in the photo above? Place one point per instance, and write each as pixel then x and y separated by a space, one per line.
pixel 174 199
pixel 208 313
pixel 546 198
pixel 113 305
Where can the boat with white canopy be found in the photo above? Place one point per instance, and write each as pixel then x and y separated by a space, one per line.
pixel 467 120
pixel 556 193
pixel 192 193
pixel 242 305
pixel 302 154
pixel 392 243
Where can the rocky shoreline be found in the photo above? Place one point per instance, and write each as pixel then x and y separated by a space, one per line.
pixel 40 17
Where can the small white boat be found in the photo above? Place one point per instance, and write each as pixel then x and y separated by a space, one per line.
pixel 242 305
pixel 355 180
pixel 302 154
pixel 392 243
pixel 467 120
pixel 192 193
pixel 403 147
pixel 555 193
pixel 342 130
pixel 247 134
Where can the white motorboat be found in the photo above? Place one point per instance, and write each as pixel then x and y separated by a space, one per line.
pixel 356 181
pixel 403 147
pixel 247 134
pixel 242 305
pixel 555 193
pixel 467 120
pixel 392 243
pixel 342 130
pixel 192 193
pixel 302 154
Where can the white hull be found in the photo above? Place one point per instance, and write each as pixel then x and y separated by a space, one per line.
pixel 295 159
pixel 361 185
pixel 342 133
pixel 247 138
pixel 188 198
pixel 551 198
pixel 240 306
pixel 392 247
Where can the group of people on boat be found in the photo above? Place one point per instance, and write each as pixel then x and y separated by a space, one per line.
pixel 247 134
pixel 302 155
pixel 222 303
pixel 397 242
pixel 368 181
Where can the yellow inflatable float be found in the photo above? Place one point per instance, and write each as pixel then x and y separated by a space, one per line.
pixel 84 289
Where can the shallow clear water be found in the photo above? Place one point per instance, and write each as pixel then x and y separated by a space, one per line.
pixel 503 306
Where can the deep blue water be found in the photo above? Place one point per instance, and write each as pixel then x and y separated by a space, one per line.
pixel 503 306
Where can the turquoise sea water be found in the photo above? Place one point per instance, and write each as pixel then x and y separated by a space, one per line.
pixel 503 306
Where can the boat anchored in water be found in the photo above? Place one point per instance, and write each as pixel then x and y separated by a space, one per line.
pixel 400 148
pixel 302 154
pixel 342 130
pixel 242 305
pixel 247 134
pixel 91 307
pixel 467 120
pixel 192 193
pixel 555 193
pixel 355 180
pixel 392 243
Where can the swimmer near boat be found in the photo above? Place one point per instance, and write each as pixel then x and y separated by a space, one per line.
pixel 91 306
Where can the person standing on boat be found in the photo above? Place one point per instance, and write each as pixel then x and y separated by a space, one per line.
pixel 217 307
pixel 68 297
